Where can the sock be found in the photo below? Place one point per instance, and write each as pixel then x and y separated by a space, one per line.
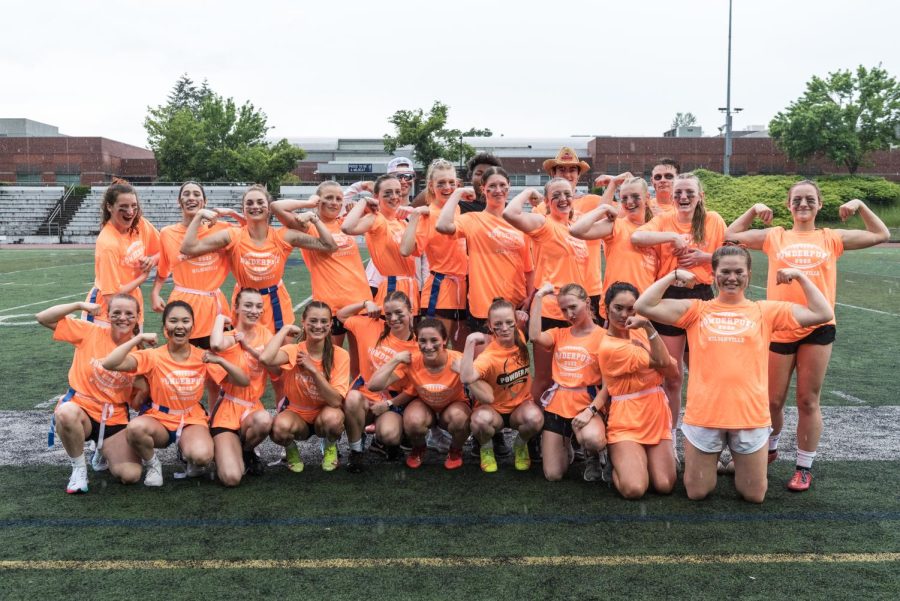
pixel 78 461
pixel 805 459
pixel 488 445
pixel 150 461
pixel 518 441
pixel 773 442
pixel 674 431
pixel 356 446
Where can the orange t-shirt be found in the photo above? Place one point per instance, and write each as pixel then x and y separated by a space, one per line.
pixel 300 388
pixel 499 258
pixel 261 267
pixel 728 387
pixel 383 241
pixel 86 375
pixel 117 259
pixel 644 418
pixel 437 391
pixel 816 254
pixel 666 222
pixel 507 375
pixel 592 269
pixel 372 354
pixel 657 208
pixel 204 274
pixel 177 386
pixel 446 254
pixel 626 262
pixel 560 259
pixel 229 413
pixel 337 278
pixel 575 366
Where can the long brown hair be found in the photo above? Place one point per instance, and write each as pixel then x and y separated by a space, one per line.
pixel 328 347
pixel 116 188
pixel 698 220
pixel 501 303
pixel 396 295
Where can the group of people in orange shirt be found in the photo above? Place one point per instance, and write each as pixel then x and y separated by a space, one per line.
pixel 449 351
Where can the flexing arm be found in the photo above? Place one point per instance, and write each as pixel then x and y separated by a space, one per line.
pixel 740 231
pixel 651 304
pixel 659 355
pixel 517 217
pixel 408 242
pixel 446 223
pixel 534 322
pixel 272 355
pixel 120 359
pixel 50 317
pixel 218 340
pixel 235 374
pixel 385 375
pixel 595 224
pixel 324 243
pixel 468 374
pixel 284 211
pixel 192 246
pixel 640 238
pixel 348 311
pixel 876 231
pixel 818 309
pixel 357 221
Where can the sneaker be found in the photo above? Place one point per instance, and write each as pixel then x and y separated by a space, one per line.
pixel 330 459
pixel 191 470
pixel 292 457
pixel 801 480
pixel 522 457
pixel 773 455
pixel 393 452
pixel 454 459
pixel 154 476
pixel 438 439
pixel 78 482
pixel 605 466
pixel 592 470
pixel 379 448
pixel 501 449
pixel 414 458
pixel 725 465
pixel 252 463
pixel 488 461
pixel 578 451
pixel 99 462
pixel 357 462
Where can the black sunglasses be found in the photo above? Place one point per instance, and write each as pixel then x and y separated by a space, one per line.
pixel 659 176
pixel 405 176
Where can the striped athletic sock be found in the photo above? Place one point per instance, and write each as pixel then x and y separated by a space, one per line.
pixel 805 459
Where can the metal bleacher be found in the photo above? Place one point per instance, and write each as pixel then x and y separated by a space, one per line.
pixel 24 208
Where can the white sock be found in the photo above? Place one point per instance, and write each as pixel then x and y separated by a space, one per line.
pixel 356 446
pixel 773 442
pixel 805 458
pixel 78 461
pixel 674 431
pixel 150 461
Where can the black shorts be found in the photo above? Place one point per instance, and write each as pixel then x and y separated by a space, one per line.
pixel 822 336
pixel 108 433
pixel 374 290
pixel 558 424
pixel 506 419
pixel 201 343
pixel 216 431
pixel 478 324
pixel 457 314
pixel 595 308
pixel 337 328
pixel 547 323
pixel 700 291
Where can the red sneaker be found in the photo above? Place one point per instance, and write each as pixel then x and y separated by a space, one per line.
pixel 773 455
pixel 801 481
pixel 414 458
pixel 454 459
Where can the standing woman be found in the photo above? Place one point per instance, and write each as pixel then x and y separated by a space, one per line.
pixel 379 220
pixel 177 373
pixel 433 377
pixel 444 292
pixel 727 398
pixel 559 259
pixel 500 263
pixel 197 279
pixel 570 407
pixel 808 350
pixel 127 249
pixel 685 239
pixel 499 379
pixel 96 405
pixel 258 252
pixel 239 422
pixel 638 427
pixel 316 379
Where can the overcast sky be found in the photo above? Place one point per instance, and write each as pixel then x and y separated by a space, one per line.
pixel 521 68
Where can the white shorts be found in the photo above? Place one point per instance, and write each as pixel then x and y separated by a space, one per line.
pixel 713 440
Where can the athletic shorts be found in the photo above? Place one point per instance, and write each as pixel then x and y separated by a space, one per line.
pixel 337 328
pixel 548 322
pixel 595 308
pixel 457 314
pixel 823 335
pixel 201 343
pixel 108 433
pixel 216 431
pixel 714 440
pixel 554 422
pixel 478 324
pixel 700 291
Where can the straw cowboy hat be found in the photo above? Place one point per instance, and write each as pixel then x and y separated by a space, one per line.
pixel 565 156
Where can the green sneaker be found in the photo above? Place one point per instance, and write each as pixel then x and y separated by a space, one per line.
pixel 330 459
pixel 292 456
pixel 488 461
pixel 523 459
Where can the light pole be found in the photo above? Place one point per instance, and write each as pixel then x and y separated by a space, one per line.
pixel 726 164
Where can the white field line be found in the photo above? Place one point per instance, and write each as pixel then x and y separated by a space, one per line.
pixel 5 318
pixel 847 397
pixel 42 268
pixel 44 302
pixel 846 305
pixel 302 303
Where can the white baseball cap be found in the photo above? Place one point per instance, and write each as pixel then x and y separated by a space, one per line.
pixel 400 164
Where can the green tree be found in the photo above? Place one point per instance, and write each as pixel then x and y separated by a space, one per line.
pixel 683 120
pixel 428 135
pixel 843 117
pixel 200 135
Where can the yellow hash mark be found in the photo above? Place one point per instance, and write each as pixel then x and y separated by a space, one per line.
pixel 446 562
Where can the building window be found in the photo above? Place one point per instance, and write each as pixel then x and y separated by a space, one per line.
pixel 516 180
pixel 68 179
pixel 545 179
pixel 28 178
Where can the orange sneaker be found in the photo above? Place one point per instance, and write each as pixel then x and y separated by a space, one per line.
pixel 801 481
pixel 454 459
pixel 414 458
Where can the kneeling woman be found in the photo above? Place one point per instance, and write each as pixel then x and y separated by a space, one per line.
pixel 499 379
pixel 727 399
pixel 316 380
pixel 433 377
pixel 569 405
pixel 96 406
pixel 638 429
pixel 239 421
pixel 177 373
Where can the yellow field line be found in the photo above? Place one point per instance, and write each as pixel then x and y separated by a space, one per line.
pixel 446 562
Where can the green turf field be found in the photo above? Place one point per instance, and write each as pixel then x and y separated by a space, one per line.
pixel 395 534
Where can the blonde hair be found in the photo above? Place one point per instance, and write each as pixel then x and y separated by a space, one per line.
pixel 645 192
pixel 436 165
pixel 556 180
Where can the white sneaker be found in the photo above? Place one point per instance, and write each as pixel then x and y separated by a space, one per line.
pixel 99 462
pixel 78 482
pixel 605 466
pixel 154 475
pixel 593 470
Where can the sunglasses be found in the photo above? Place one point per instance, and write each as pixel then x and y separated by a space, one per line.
pixel 407 177
pixel 660 176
